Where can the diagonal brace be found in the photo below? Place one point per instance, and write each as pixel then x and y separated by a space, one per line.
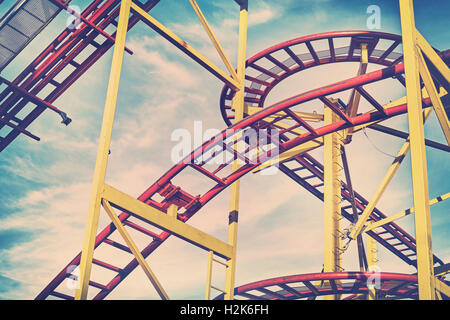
pixel 357 228
pixel 134 249
pixel 185 47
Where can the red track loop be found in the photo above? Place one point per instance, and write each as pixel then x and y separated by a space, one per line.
pixel 203 161
pixel 70 51
pixel 341 46
pixel 312 285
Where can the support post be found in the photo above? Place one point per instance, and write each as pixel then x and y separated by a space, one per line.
pixel 359 226
pixel 418 155
pixel 332 199
pixel 372 259
pixel 135 250
pixel 238 104
pixel 355 96
pixel 209 275
pixel 102 153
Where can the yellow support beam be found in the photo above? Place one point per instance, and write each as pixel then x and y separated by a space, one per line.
pixel 185 47
pixel 102 153
pixel 435 100
pixel 238 104
pixel 209 275
pixel 332 199
pixel 418 155
pixel 355 96
pixel 214 40
pixel 402 214
pixel 307 116
pixel 442 287
pixel 372 259
pixel 358 227
pixel 134 249
pixel 167 222
pixel 318 142
pixel 434 58
pixel 172 211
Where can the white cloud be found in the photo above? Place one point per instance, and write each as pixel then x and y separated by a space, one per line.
pixel 263 13
pixel 280 230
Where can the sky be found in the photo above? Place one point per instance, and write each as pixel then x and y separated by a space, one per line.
pixel 45 185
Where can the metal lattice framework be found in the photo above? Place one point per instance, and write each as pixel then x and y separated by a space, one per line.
pixel 259 86
pixel 168 206
pixel 312 285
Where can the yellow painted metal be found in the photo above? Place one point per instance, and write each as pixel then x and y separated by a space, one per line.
pixel 102 153
pixel 214 40
pixel 172 211
pixel 209 275
pixel 225 264
pixel 332 199
pixel 397 102
pixel 135 250
pixel 238 104
pixel 163 221
pixel 429 52
pixel 218 289
pixel 372 259
pixel 185 47
pixel 383 185
pixel 307 116
pixel 284 156
pixel 435 100
pixel 402 214
pixel 355 96
pixel 418 156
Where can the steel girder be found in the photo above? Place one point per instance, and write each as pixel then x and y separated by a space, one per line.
pixel 223 143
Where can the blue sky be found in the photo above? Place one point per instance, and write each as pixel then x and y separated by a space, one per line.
pixel 45 185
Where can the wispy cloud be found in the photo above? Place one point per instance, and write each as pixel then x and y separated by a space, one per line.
pixel 280 230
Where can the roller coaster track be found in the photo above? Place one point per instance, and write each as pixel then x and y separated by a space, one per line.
pixel 223 145
pixel 64 61
pixel 312 285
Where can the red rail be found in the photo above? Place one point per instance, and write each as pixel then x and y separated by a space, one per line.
pixel 177 195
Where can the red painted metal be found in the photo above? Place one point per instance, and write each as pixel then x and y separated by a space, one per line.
pixel 176 195
pixel 62 52
pixel 328 55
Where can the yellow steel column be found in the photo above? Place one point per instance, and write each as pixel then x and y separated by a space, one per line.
pixel 102 153
pixel 418 155
pixel 238 103
pixel 372 259
pixel 359 226
pixel 332 199
pixel 209 275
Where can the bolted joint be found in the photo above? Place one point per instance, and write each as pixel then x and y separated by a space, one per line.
pixel 233 217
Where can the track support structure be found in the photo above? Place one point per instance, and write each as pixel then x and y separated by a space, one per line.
pixel 332 198
pixel 418 154
pixel 109 197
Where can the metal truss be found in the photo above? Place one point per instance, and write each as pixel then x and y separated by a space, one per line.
pixel 223 144
pixel 70 55
pixel 168 207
